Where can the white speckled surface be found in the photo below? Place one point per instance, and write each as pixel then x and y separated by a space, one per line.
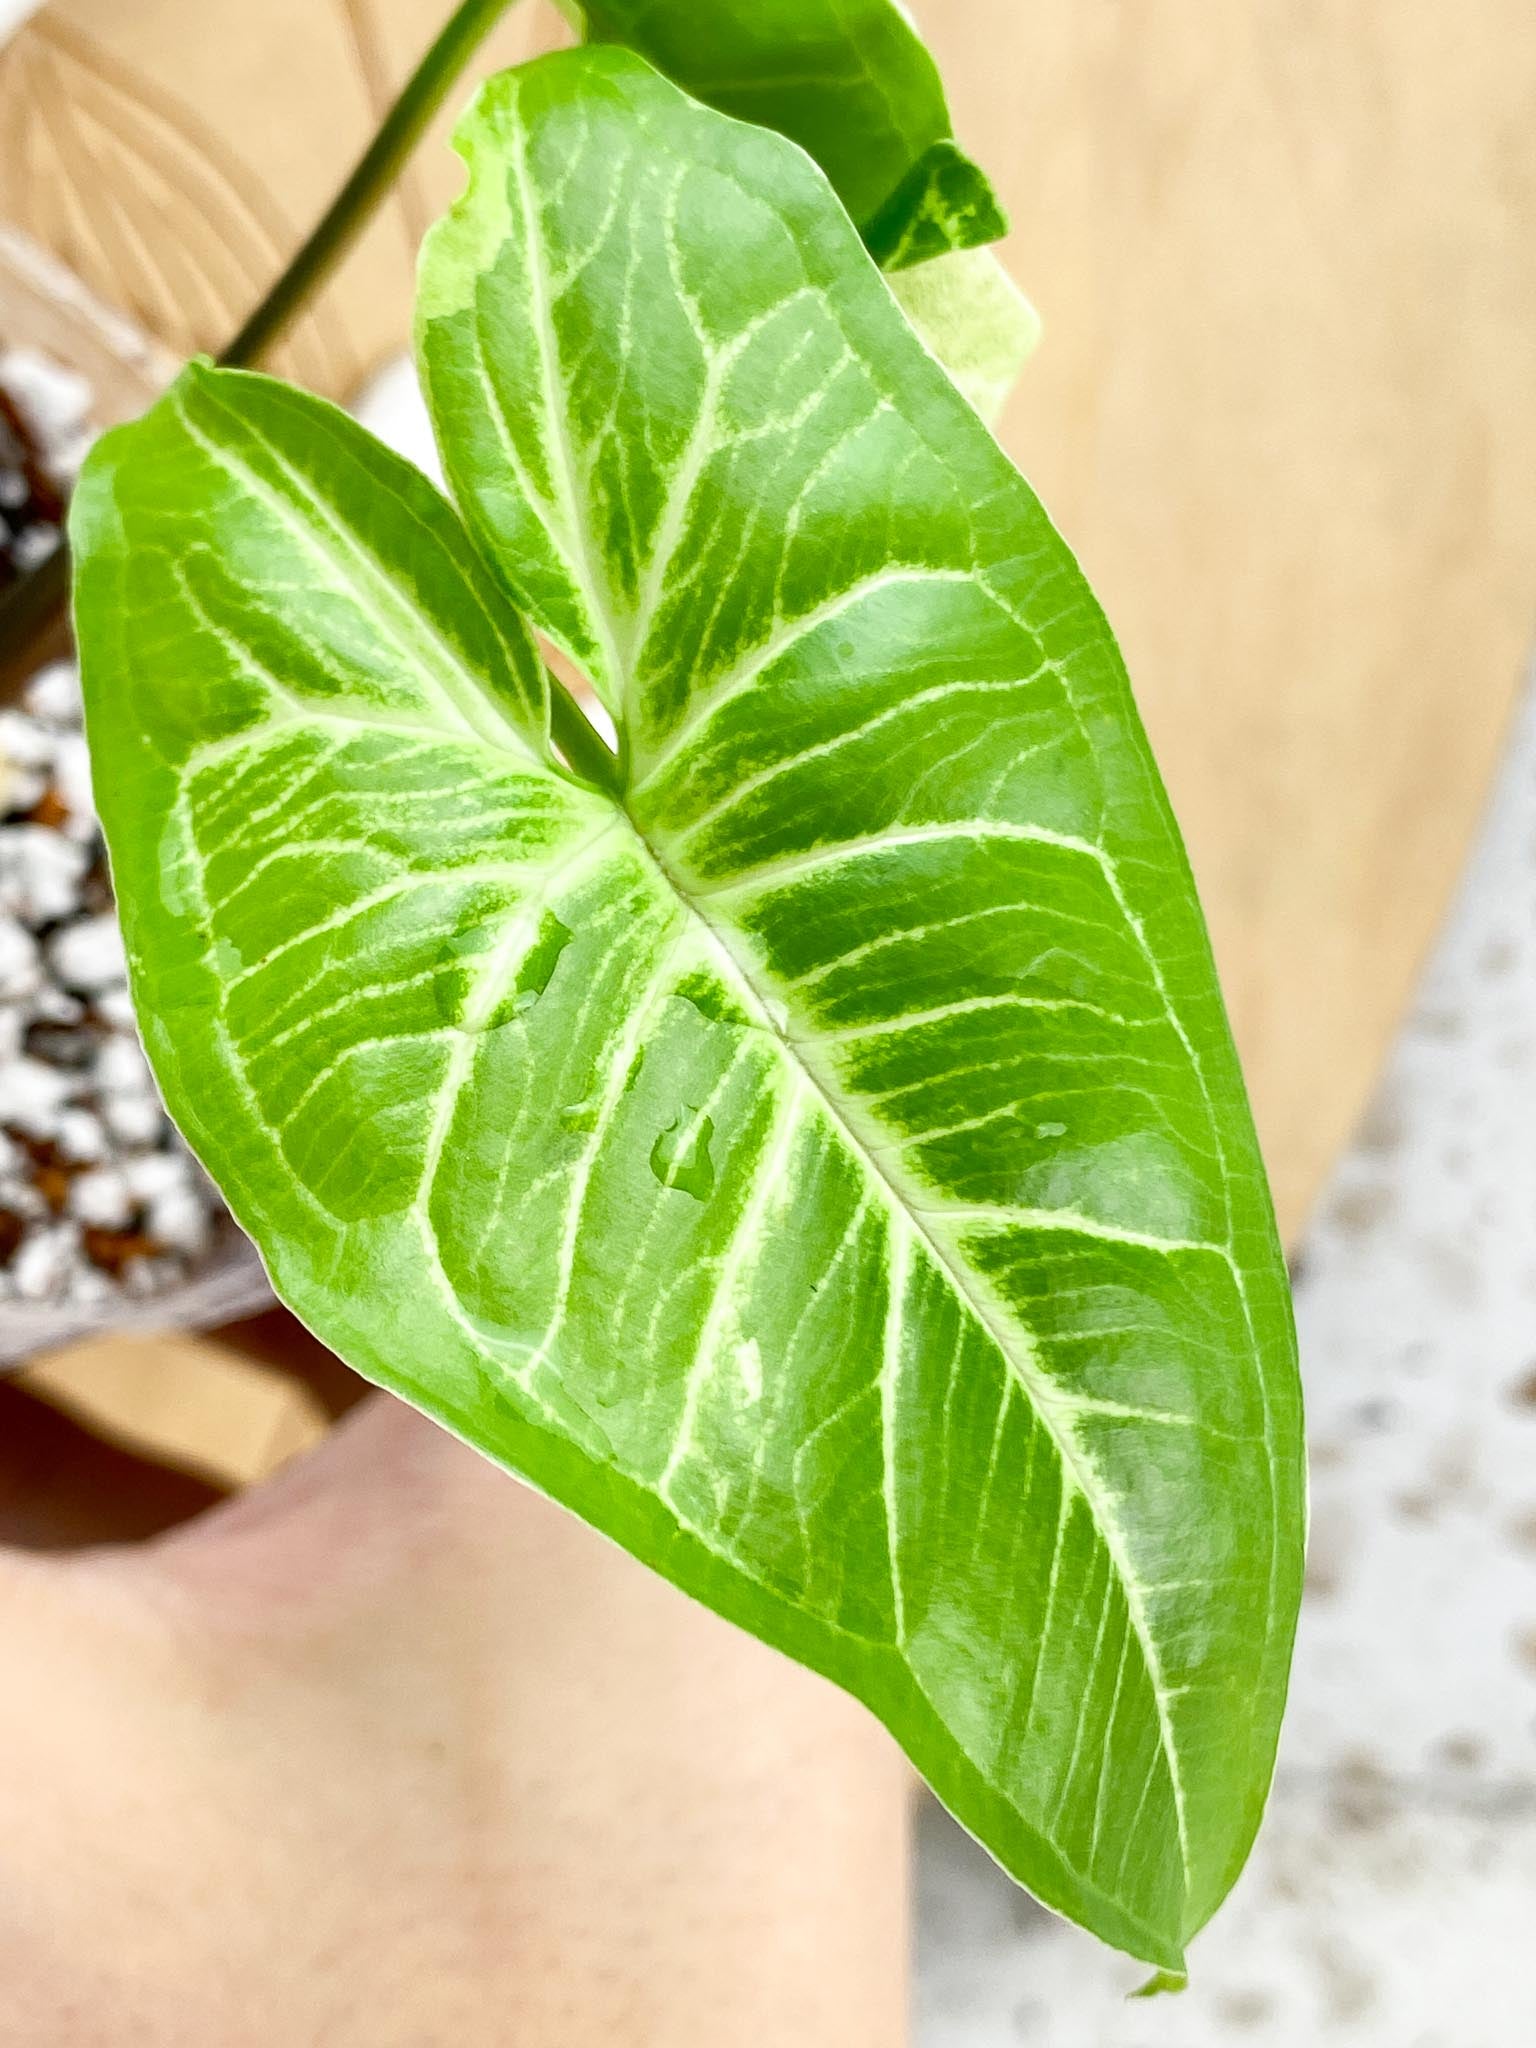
pixel 1391 1902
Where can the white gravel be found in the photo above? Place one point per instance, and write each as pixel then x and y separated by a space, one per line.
pixel 40 873
pixel 178 1219
pixel 56 404
pixel 41 1268
pixel 104 1216
pixel 81 1136
pixel 21 969
pixel 121 1069
pixel 87 956
pixel 53 695
pixel 91 1169
pixel 134 1119
pixel 32 1095
pixel 102 1197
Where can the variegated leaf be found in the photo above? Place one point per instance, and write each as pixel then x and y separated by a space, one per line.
pixel 851 82
pixel 810 1146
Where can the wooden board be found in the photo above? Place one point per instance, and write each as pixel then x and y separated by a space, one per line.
pixel 1285 409
pixel 174 152
pixel 185 1399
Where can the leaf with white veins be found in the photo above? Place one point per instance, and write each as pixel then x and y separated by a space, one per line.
pixel 821 1163
pixel 852 82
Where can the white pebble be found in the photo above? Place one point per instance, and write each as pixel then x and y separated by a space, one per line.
pixel 133 1119
pixel 54 693
pixel 24 742
pixel 102 1197
pixel 142 1277
pixel 32 546
pixel 32 1095
pixel 55 402
pixel 121 1069
pixel 69 452
pixel 80 1137
pixel 42 1263
pixel 88 1287
pixel 116 1006
pixel 178 1221
pixel 23 1199
pixel 72 778
pixel 88 954
pixel 20 788
pixel 21 970
pixel 40 873
pixel 105 1119
pixel 150 1175
pixel 52 1006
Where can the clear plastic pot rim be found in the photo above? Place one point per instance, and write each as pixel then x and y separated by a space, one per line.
pixel 228 1284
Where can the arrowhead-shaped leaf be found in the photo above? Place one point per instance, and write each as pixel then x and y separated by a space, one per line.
pixel 820 1160
pixel 852 82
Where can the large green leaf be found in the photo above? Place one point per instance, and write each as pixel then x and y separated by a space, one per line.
pixel 821 1163
pixel 849 80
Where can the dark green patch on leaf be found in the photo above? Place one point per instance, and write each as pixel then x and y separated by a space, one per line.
pixel 851 82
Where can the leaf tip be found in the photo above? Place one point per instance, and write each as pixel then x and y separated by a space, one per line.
pixel 1162 1984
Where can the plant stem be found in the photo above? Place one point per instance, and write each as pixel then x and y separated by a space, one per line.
pixel 377 168
pixel 38 601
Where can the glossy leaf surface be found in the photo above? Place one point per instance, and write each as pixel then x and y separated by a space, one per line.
pixel 852 82
pixel 821 1163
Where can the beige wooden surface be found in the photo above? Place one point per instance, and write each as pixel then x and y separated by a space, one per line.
pixel 1285 407
pixel 218 1414
pixel 174 152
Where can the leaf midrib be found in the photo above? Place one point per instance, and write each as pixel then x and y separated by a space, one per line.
pixel 901 1203
pixel 971 1292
